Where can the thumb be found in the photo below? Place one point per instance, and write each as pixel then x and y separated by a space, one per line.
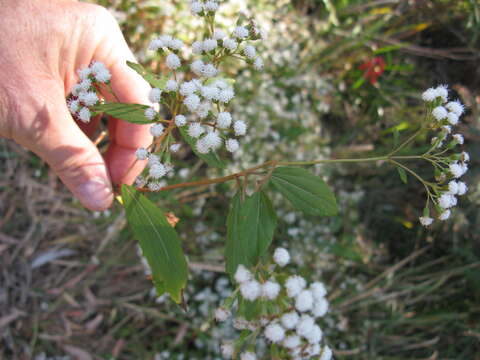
pixel 57 139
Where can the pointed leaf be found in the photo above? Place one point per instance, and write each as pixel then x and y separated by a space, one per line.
pixel 305 191
pixel 250 227
pixel 210 158
pixel 133 113
pixel 149 76
pixel 403 174
pixel 159 242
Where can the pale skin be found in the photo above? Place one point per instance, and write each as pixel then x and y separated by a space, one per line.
pixel 42 44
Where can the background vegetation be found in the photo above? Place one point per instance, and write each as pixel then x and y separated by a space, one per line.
pixel 72 286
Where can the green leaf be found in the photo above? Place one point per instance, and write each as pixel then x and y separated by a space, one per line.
pixel 210 158
pixel 149 76
pixel 250 227
pixel 305 191
pixel 403 174
pixel 396 137
pixel 159 242
pixel 133 113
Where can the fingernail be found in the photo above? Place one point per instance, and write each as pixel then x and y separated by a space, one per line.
pixel 96 194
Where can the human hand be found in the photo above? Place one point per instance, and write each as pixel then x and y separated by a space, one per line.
pixel 42 45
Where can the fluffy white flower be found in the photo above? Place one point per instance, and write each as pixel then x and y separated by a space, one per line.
pixel 250 51
pixel 270 290
pixel 227 350
pixel 274 332
pixel 455 107
pixel 203 109
pixel 153 159
pixel 209 44
pixel 242 274
pixel 188 88
pixel 191 102
pixel 141 154
pixel 442 91
pixel 290 320
pixel 315 336
pixel 452 118
pixel 456 169
pixel 425 220
pixel 196 7
pixel 320 307
pixel 240 32
pixel 465 156
pixel 229 44
pixel 304 301
pixel 250 290
pixel 281 256
pixel 219 34
pixel 211 6
pixel 175 147
pixel 210 92
pixel 248 355
pixel 305 326
pixel 97 67
pixel 180 120
pixel 224 120
pixel 89 98
pixel 155 95
pixel 197 47
pixel 73 106
pixel 156 129
pixel 166 40
pixel 439 113
pixel 318 290
pixel 462 188
pixel 258 63
pixel 222 314
pixel 429 94
pixel 153 186
pixel 240 128
pixel 195 130
pixel 226 95
pixel 84 85
pixel 209 71
pixel 446 201
pixel 157 171
pixel 84 73
pixel 453 187
pixel 175 44
pixel 458 138
pixel 197 67
pixel 155 44
pixel 292 342
pixel 294 285
pixel 444 215
pixel 150 113
pixel 103 76
pixel 173 61
pixel 221 84
pixel 326 353
pixel 171 85
pixel 232 145
pixel 84 115
pixel 213 140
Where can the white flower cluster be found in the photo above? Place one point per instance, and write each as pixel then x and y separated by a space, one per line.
pixel 199 106
pixel 293 326
pixel 446 114
pixel 84 94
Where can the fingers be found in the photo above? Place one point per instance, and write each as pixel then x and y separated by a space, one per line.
pixel 129 87
pixel 56 138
